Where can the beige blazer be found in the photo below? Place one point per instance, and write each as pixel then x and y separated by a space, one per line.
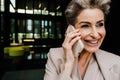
pixel 108 62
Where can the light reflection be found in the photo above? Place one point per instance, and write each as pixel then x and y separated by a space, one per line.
pixel 21 11
pixel 29 40
pixel 29 11
pixel 29 25
pixel 12 9
pixel 58 7
pixel 13 3
pixel 40 5
pixel 43 11
pixel 2 5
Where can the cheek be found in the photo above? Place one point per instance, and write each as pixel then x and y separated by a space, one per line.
pixel 85 32
pixel 103 32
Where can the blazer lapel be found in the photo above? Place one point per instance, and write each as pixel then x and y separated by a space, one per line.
pixel 104 65
pixel 76 73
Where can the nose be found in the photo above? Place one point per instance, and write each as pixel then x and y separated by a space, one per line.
pixel 94 33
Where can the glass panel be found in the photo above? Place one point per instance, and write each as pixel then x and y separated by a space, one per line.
pixel 2 6
pixel 12 9
pixel 12 30
pixel 12 6
pixel 58 11
pixel 21 25
pixel 29 11
pixel 20 36
pixel 29 6
pixel 37 7
pixel 44 8
pixel 52 29
pixel 13 2
pixel 29 29
pixel 29 35
pixel 45 11
pixel 52 9
pixel 21 30
pixel 58 28
pixel 1 23
pixel 44 26
pixel 12 25
pixel 21 7
pixel 43 29
pixel 21 11
pixel 37 29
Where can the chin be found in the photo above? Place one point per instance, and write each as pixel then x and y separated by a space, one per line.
pixel 92 50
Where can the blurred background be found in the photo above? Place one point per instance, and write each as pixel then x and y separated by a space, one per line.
pixel 29 28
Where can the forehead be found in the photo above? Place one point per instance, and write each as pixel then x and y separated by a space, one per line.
pixel 91 15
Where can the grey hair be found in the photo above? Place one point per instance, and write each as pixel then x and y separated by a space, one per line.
pixel 76 6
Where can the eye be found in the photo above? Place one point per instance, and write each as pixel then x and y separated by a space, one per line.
pixel 84 26
pixel 100 24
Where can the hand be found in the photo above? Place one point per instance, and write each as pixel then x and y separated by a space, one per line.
pixel 70 39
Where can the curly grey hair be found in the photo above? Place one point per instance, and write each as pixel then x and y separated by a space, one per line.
pixel 76 6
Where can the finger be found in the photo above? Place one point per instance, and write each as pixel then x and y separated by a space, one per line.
pixel 73 41
pixel 72 35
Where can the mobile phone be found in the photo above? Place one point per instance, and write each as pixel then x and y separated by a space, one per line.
pixel 78 46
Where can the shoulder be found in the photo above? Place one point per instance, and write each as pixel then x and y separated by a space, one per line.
pixel 108 55
pixel 56 53
pixel 57 49
pixel 108 58
pixel 56 59
pixel 112 61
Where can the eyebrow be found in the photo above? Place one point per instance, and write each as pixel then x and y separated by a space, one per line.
pixel 100 21
pixel 89 22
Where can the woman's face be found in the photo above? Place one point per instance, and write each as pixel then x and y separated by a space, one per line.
pixel 91 24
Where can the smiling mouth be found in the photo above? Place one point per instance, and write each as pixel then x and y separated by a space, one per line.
pixel 92 42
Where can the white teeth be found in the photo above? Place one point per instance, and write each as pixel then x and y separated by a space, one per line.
pixel 93 42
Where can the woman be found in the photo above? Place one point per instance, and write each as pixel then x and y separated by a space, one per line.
pixel 88 19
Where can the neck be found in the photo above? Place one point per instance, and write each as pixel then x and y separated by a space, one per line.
pixel 83 62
